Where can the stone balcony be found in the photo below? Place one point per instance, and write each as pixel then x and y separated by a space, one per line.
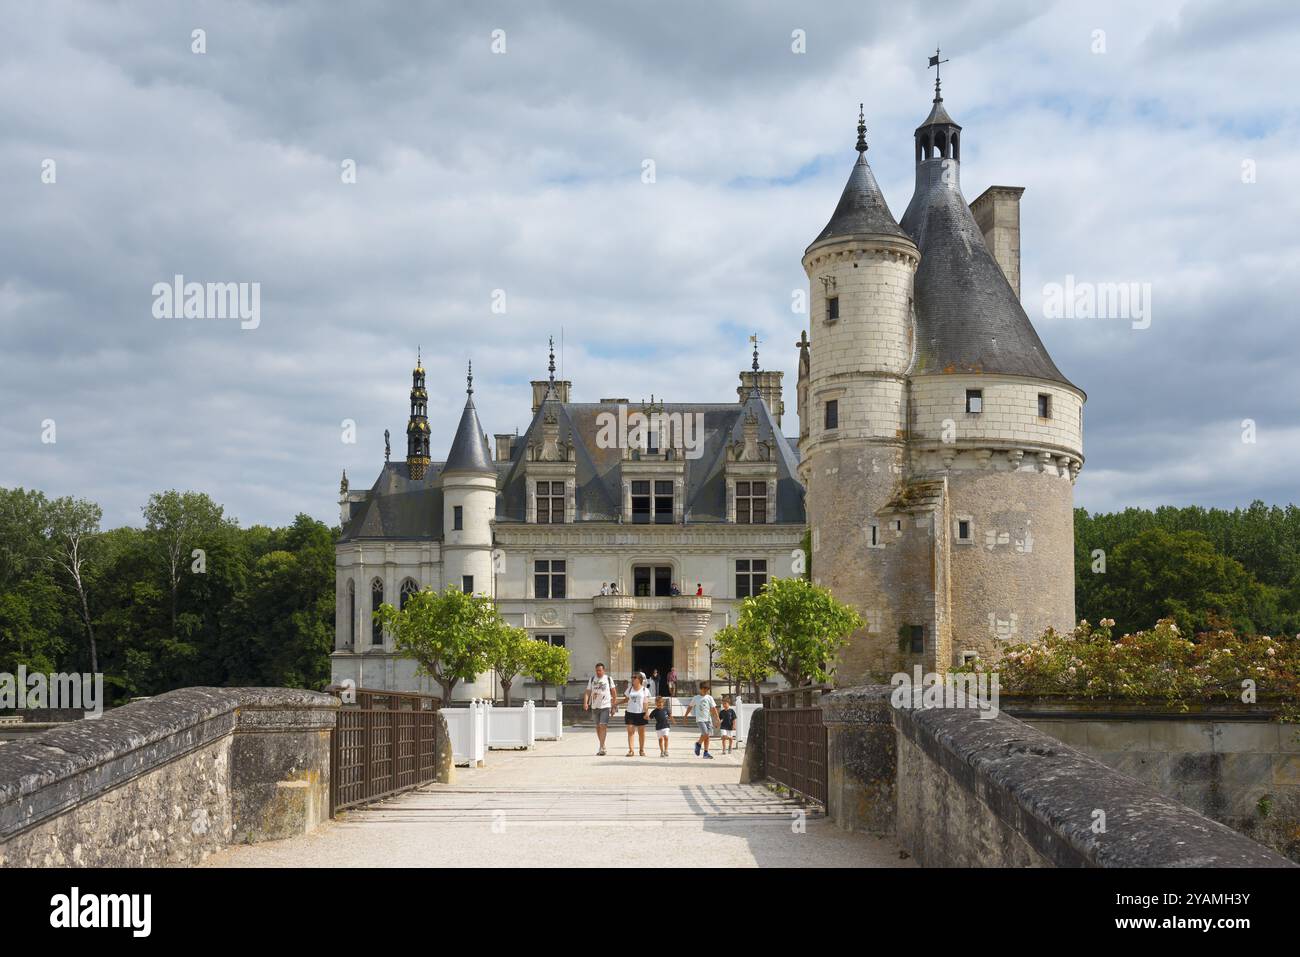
pixel 685 615
pixel 685 603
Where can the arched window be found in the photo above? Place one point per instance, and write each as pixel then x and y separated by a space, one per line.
pixel 352 613
pixel 376 599
pixel 409 588
pixel 956 146
pixel 941 144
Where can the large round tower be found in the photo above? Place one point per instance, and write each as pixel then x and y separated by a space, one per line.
pixel 992 422
pixel 469 495
pixel 853 404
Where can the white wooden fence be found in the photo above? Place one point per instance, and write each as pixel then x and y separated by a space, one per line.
pixel 468 730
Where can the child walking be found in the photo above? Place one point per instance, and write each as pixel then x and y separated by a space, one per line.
pixel 663 717
pixel 706 714
pixel 728 722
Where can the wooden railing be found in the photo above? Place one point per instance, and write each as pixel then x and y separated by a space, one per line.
pixel 795 745
pixel 383 744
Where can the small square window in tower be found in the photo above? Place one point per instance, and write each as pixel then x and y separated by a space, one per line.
pixel 832 308
pixel 458 518
pixel 974 400
pixel 1044 405
pixel 916 634
pixel 832 420
pixel 963 530
pixel 467 584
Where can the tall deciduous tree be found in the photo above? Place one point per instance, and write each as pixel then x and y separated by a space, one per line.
pixel 72 526
pixel 177 521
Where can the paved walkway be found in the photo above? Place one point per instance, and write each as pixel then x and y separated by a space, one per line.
pixel 560 805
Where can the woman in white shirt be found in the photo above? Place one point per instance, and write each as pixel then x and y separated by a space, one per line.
pixel 635 712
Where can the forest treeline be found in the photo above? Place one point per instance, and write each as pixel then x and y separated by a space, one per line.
pixel 191 598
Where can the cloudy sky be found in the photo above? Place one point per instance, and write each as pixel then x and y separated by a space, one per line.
pixel 521 171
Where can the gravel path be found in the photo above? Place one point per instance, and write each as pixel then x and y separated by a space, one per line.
pixel 561 805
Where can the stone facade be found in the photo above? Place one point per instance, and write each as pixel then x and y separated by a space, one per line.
pixel 939 444
pixel 168 780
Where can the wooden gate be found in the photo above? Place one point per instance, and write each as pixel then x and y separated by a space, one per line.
pixel 795 741
pixel 383 744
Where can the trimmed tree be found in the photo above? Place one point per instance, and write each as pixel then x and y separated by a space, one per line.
pixel 797 627
pixel 743 657
pixel 448 634
pixel 550 665
pixel 510 653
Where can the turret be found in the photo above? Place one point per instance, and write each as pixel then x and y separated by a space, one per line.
pixel 417 427
pixel 469 492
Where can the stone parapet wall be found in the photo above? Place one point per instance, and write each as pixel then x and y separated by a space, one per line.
pixel 973 792
pixel 1232 763
pixel 168 780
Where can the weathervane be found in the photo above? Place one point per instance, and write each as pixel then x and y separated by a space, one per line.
pixel 934 62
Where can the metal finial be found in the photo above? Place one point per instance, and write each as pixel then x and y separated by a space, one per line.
pixel 388 449
pixel 418 362
pixel 934 62
pixel 862 131
pixel 551 367
pixel 469 378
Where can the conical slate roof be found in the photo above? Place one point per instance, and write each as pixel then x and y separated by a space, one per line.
pixel 468 453
pixel 862 208
pixel 968 318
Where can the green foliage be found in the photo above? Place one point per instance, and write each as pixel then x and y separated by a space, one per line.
pixel 1206 568
pixel 549 665
pixel 261 612
pixel 744 656
pixel 510 653
pixel 794 626
pixel 449 634
pixel 1159 664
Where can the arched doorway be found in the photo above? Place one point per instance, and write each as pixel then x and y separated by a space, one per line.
pixel 651 650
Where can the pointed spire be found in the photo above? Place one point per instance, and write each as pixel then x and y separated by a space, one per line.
pixel 935 62
pixel 468 450
pixel 861 146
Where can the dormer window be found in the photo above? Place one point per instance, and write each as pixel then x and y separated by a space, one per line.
pixel 974 400
pixel 550 503
pixel 751 503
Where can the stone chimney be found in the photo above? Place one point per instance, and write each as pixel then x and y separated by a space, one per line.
pixel 769 388
pixel 539 391
pixel 505 443
pixel 997 213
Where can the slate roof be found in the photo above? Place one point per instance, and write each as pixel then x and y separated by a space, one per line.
pixel 968 317
pixel 397 507
pixel 862 208
pixel 598 471
pixel 469 451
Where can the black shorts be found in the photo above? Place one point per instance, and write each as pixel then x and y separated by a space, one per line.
pixel 633 719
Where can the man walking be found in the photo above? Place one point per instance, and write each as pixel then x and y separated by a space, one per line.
pixel 599 697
